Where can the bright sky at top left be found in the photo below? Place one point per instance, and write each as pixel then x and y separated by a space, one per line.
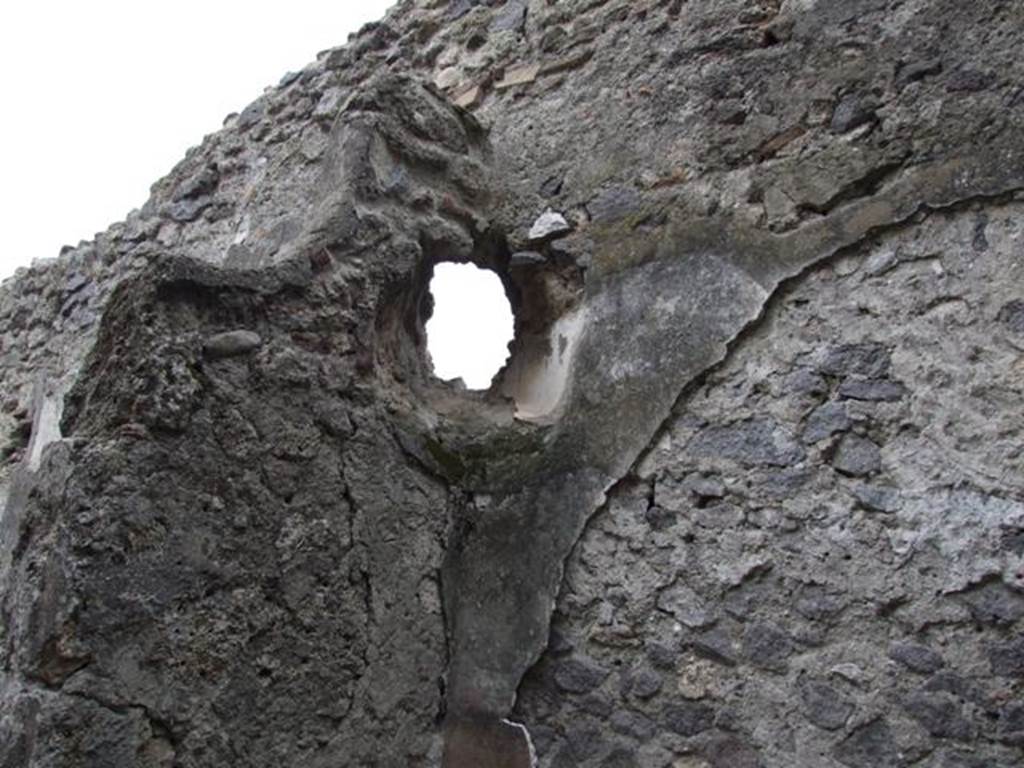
pixel 102 98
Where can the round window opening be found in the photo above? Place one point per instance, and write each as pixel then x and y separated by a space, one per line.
pixel 470 329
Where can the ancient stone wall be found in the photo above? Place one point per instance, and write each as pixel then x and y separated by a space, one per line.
pixel 819 562
pixel 768 511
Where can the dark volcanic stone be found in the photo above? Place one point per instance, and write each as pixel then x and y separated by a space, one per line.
pixel 644 683
pixel 916 657
pixel 620 757
pixel 543 737
pixel 511 17
pixel 189 209
pixel 806 382
pixel 459 8
pixel 558 642
pixel 919 70
pixel 1011 315
pixel 250 116
pixel 959 759
pixel 660 518
pixel 661 656
pixel 767 646
pixel 877 497
pixel 597 704
pixel 688 718
pixel 857 456
pixel 949 682
pixel 579 675
pixel 816 603
pixel 781 484
pixel 1011 724
pixel 824 705
pixel 613 204
pixel 940 713
pixel 868 360
pixel 969 81
pixel 586 741
pixel 581 744
pixel 633 724
pixel 1007 658
pixel 725 750
pixel 851 112
pixel 980 241
pixel 995 604
pixel 754 441
pixel 825 421
pixel 870 746
pixel 201 184
pixel 523 259
pixel 715 646
pixel 552 185
pixel 878 390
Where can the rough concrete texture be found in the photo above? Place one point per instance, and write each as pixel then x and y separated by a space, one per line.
pixel 762 503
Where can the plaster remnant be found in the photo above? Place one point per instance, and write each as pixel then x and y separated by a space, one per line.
pixel 538 376
pixel 45 428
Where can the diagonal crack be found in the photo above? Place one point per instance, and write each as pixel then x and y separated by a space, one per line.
pixel 736 342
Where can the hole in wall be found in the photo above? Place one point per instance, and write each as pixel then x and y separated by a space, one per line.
pixel 471 325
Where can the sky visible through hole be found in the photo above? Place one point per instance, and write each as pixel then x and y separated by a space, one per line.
pixel 105 97
pixel 472 325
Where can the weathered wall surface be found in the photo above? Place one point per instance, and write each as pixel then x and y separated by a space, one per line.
pixel 230 553
pixel 819 563
pixel 773 516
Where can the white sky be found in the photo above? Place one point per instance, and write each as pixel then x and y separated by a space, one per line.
pixel 469 332
pixel 102 97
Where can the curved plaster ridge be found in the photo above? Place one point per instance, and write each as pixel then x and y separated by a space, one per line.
pixel 650 330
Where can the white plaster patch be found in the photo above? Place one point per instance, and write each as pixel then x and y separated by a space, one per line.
pixel 45 429
pixel 538 375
